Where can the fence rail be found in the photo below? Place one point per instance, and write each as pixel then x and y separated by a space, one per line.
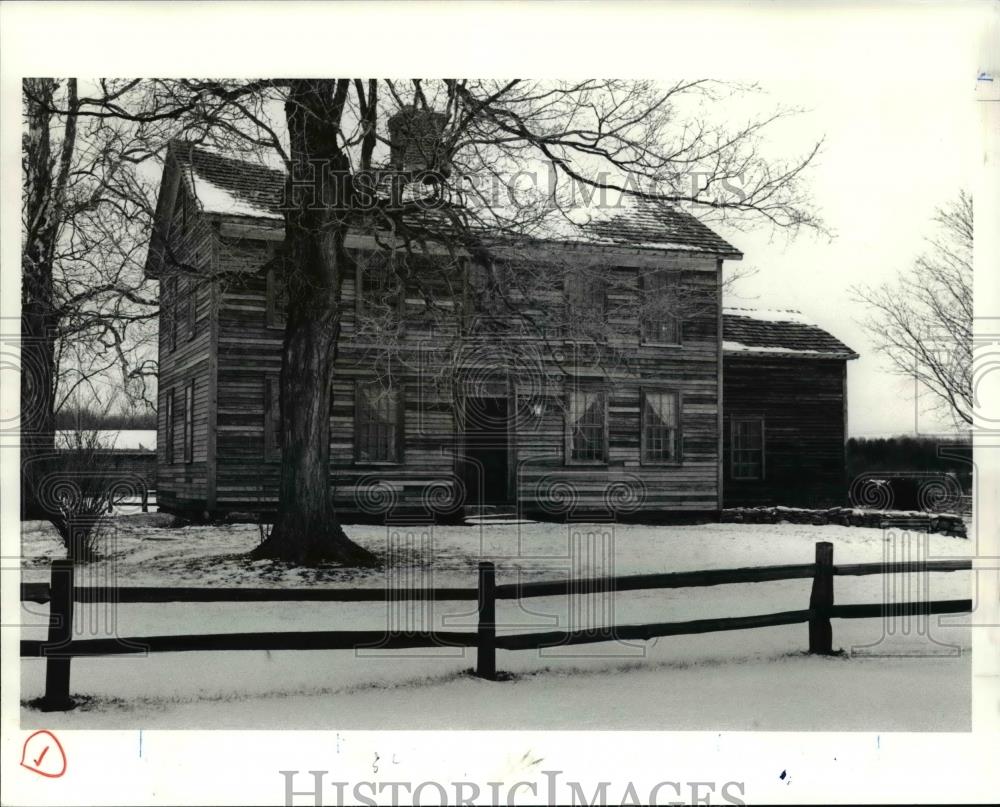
pixel 60 648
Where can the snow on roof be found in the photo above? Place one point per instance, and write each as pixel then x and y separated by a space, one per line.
pixel 767 314
pixel 214 199
pixel 232 187
pixel 775 332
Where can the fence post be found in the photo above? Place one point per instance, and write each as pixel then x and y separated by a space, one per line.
pixel 57 697
pixel 820 630
pixel 486 651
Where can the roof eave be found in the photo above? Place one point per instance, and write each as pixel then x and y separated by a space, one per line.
pixel 790 354
pixel 729 255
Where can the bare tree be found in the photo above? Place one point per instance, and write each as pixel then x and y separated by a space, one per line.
pixel 87 312
pixel 88 320
pixel 922 322
pixel 454 197
pixel 605 135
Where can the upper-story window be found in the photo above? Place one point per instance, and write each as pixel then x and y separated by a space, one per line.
pixel 191 308
pixel 587 427
pixel 379 292
pixel 660 307
pixel 277 296
pixel 586 305
pixel 661 426
pixel 169 311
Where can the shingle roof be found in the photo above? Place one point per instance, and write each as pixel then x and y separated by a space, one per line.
pixel 647 222
pixel 755 332
pixel 228 186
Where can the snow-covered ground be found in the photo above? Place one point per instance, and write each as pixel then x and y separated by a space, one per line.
pixel 898 675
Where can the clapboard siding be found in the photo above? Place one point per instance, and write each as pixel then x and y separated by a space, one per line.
pixel 185 356
pixel 802 403
pixel 234 350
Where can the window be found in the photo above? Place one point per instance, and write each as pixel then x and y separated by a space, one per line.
pixel 191 308
pixel 170 426
pixel 189 422
pixel 277 298
pixel 378 420
pixel 659 305
pixel 661 432
pixel 586 305
pixel 380 293
pixel 587 427
pixel 747 448
pixel 168 307
pixel 272 418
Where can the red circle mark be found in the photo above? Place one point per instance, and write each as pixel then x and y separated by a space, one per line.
pixel 46 755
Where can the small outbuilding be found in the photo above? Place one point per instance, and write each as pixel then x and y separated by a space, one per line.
pixel 784 410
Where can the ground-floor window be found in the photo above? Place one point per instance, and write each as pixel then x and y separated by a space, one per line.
pixel 189 422
pixel 377 423
pixel 272 418
pixel 169 441
pixel 660 426
pixel 587 426
pixel 747 448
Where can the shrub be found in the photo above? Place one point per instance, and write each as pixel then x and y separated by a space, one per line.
pixel 76 488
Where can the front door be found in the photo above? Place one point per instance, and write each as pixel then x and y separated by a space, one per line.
pixel 486 450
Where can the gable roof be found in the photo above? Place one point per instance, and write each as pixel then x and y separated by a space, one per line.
pixel 227 186
pixel 769 332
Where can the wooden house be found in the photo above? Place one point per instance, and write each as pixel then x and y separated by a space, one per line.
pixel 785 411
pixel 540 420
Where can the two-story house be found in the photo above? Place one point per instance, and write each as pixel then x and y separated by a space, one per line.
pixel 616 405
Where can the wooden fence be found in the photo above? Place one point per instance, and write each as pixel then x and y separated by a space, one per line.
pixel 60 647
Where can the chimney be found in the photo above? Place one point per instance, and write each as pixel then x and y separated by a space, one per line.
pixel 416 140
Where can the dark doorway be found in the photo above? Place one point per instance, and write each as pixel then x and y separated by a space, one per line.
pixel 486 451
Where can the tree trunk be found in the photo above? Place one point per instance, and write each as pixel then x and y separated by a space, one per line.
pixel 37 398
pixel 43 191
pixel 306 528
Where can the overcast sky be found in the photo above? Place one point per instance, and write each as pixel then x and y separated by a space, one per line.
pixel 890 87
pixel 895 149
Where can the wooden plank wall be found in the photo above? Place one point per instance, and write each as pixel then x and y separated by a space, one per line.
pixel 184 485
pixel 802 403
pixel 426 480
pixel 249 350
pixel 547 485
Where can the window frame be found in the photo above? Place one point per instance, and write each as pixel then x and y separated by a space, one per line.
pixel 674 277
pixel 678 458
pixel 189 422
pixel 360 303
pixel 276 316
pixel 191 308
pixel 170 435
pixel 568 298
pixel 568 457
pixel 733 420
pixel 396 390
pixel 272 418
pixel 168 308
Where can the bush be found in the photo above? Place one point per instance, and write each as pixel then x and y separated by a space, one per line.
pixel 76 488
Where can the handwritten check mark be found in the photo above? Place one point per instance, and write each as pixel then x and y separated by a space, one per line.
pixel 41 756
